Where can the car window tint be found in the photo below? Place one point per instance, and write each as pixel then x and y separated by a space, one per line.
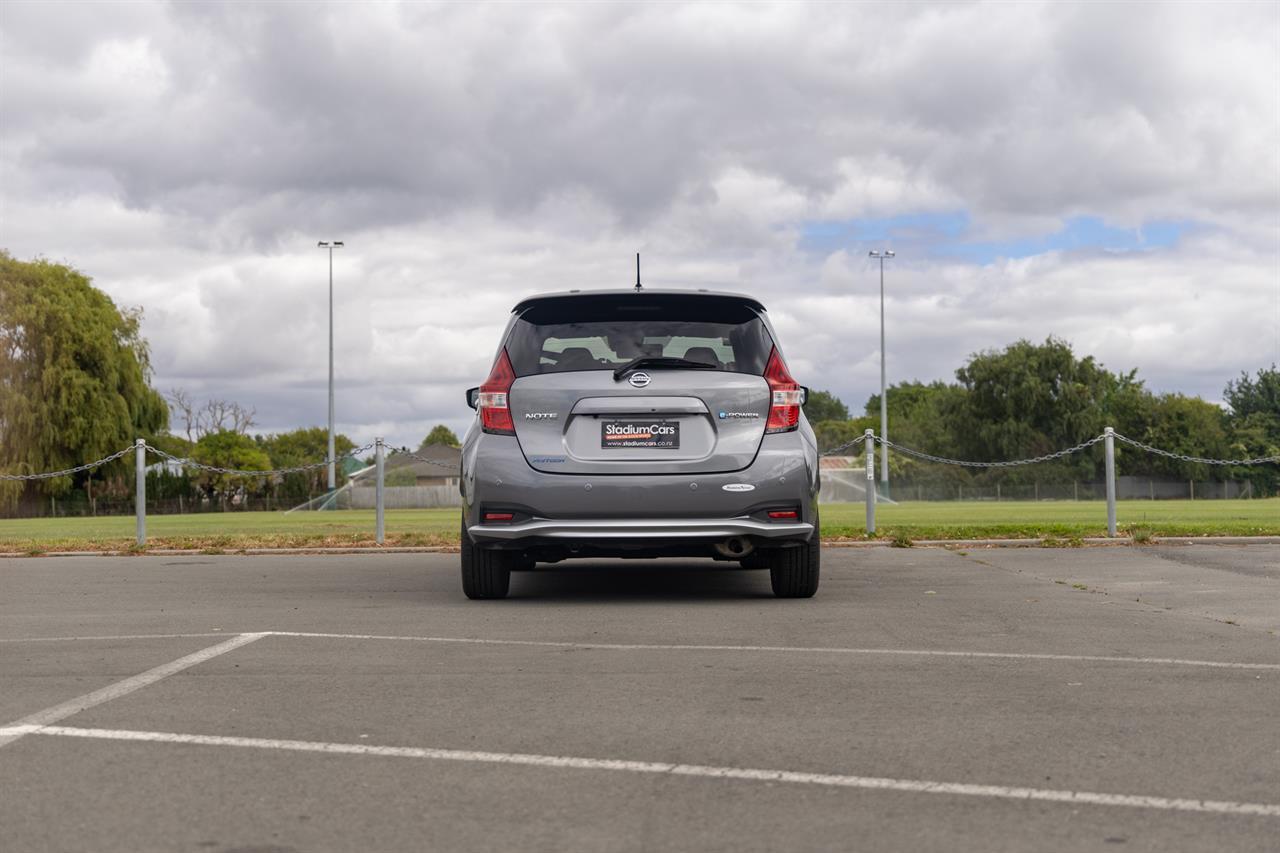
pixel 607 344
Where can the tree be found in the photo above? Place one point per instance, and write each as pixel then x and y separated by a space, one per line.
pixel 832 434
pixel 213 416
pixel 74 378
pixel 441 434
pixel 1186 425
pixel 185 413
pixel 1254 427
pixel 227 449
pixel 303 447
pixel 920 415
pixel 1031 399
pixel 1246 396
pixel 219 415
pixel 825 406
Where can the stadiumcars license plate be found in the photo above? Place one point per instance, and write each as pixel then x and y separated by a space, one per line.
pixel 661 435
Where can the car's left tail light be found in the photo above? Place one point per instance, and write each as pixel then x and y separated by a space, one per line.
pixel 785 396
pixel 492 401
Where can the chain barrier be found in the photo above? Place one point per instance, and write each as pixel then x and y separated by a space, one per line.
pixel 1048 457
pixel 69 471
pixel 453 466
pixel 1182 457
pixel 833 451
pixel 297 469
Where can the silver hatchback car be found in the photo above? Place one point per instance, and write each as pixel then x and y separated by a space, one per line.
pixel 639 424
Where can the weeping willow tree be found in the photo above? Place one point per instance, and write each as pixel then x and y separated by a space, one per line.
pixel 74 374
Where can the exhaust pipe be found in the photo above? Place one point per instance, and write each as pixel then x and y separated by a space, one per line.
pixel 734 548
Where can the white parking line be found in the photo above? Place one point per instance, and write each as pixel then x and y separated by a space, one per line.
pixel 18 728
pixel 690 647
pixel 875 783
pixel 687 647
pixel 114 637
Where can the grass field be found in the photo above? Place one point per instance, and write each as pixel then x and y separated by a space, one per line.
pixel 1063 521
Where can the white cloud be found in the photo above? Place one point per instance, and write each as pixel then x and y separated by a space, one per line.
pixel 188 156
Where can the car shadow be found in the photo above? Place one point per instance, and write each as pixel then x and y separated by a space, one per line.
pixel 616 580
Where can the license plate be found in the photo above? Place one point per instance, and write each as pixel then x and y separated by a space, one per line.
pixel 661 435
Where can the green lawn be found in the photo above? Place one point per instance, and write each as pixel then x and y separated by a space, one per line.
pixel 914 520
pixel 230 530
pixel 1059 519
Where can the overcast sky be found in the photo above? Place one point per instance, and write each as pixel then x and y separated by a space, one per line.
pixel 1102 172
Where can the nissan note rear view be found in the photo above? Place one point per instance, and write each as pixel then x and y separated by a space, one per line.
pixel 639 424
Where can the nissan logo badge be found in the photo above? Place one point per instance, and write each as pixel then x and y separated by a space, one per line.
pixel 639 380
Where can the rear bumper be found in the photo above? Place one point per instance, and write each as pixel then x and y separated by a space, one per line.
pixel 647 506
pixel 655 529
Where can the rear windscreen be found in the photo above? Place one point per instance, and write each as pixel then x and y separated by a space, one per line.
pixel 604 335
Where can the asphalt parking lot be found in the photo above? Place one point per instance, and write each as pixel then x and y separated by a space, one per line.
pixel 1002 699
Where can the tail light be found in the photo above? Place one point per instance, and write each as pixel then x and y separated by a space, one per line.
pixel 495 413
pixel 785 396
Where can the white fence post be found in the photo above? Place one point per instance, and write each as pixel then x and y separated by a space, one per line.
pixel 140 498
pixel 869 437
pixel 378 456
pixel 1110 443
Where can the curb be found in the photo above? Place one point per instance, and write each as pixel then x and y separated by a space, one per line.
pixel 1091 541
pixel 240 552
pixel 1117 542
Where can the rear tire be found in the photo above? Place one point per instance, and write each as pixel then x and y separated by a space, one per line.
pixel 486 573
pixel 793 572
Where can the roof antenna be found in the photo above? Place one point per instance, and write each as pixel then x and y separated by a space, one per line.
pixel 637 272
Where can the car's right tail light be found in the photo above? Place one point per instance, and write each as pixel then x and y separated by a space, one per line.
pixel 785 396
pixel 495 411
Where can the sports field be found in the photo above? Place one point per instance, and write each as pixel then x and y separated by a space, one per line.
pixel 1061 520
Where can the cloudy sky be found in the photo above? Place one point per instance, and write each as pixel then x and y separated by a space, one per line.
pixel 1103 172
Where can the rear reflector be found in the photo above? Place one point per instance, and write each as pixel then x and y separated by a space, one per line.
pixel 498 516
pixel 783 514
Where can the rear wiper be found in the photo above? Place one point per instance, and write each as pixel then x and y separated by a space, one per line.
pixel 661 361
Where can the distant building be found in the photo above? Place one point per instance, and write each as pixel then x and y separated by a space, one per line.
pixel 441 469
pixel 174 467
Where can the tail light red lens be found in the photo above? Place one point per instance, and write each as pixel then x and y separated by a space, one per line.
pixel 498 516
pixel 495 413
pixel 783 514
pixel 785 396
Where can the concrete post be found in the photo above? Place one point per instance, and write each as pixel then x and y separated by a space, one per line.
pixel 871 480
pixel 1110 443
pixel 379 457
pixel 140 498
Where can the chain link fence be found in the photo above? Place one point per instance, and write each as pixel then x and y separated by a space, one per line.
pixel 867 443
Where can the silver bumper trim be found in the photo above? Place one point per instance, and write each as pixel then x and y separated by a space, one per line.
pixel 641 528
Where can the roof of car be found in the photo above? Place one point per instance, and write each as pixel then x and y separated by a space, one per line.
pixel 631 293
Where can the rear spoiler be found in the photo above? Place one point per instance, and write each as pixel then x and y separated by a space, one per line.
pixel 604 298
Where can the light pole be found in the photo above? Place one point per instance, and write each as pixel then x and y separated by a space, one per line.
pixel 884 406
pixel 331 245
